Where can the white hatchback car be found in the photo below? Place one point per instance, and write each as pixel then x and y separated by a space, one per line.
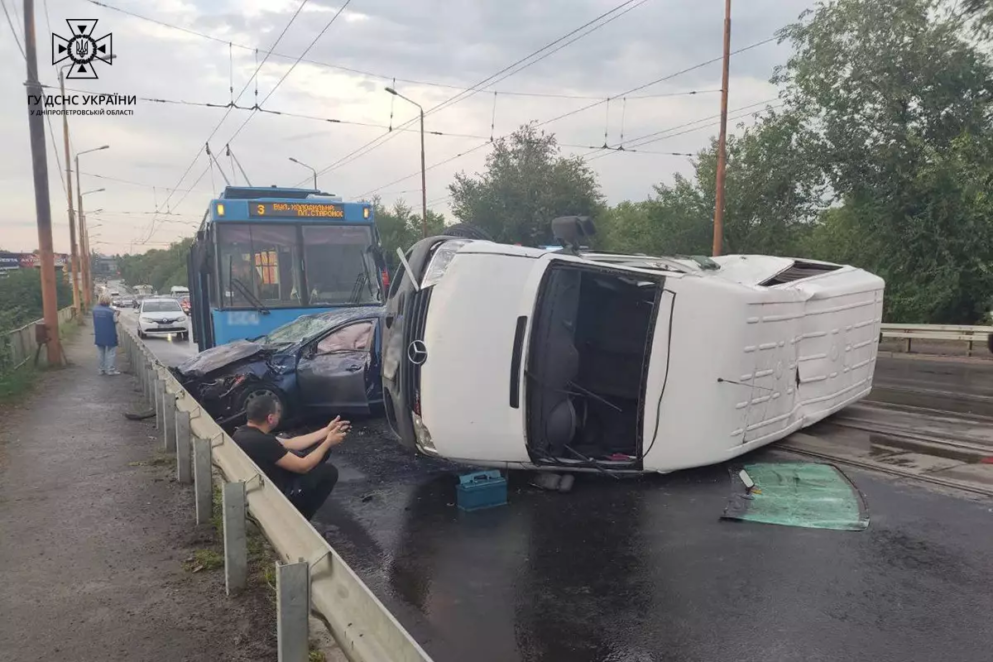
pixel 513 357
pixel 162 316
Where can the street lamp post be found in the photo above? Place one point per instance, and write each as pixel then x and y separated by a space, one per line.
pixel 87 276
pixel 311 168
pixel 86 235
pixel 90 226
pixel 424 185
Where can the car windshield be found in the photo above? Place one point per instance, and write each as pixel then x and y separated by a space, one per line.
pixel 295 331
pixel 161 307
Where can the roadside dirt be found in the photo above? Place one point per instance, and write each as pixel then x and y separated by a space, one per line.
pixel 98 545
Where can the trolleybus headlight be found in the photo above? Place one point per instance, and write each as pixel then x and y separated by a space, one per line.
pixel 442 257
pixel 220 209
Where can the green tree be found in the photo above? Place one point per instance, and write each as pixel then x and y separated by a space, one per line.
pixel 895 101
pixel 20 297
pixel 981 13
pixel 160 268
pixel 526 184
pixel 773 194
pixel 399 227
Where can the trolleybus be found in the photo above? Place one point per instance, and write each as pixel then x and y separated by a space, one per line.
pixel 262 257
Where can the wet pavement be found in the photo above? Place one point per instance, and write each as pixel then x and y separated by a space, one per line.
pixel 960 385
pixel 644 569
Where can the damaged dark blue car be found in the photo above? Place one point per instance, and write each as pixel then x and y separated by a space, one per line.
pixel 316 366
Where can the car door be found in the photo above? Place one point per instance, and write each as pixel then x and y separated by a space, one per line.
pixel 334 371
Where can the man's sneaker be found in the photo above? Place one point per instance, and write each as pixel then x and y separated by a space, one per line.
pixel 113 372
pixel 102 372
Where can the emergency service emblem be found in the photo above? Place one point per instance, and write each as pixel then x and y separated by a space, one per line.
pixel 82 48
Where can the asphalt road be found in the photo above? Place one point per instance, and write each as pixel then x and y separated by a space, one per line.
pixel 643 569
pixel 171 350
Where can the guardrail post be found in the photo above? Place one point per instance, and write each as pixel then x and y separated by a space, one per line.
pixel 235 542
pixel 183 460
pixel 157 388
pixel 168 420
pixel 202 481
pixel 293 611
pixel 908 345
pixel 149 383
pixel 968 352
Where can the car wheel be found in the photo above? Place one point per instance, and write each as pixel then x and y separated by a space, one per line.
pixel 466 231
pixel 140 334
pixel 184 336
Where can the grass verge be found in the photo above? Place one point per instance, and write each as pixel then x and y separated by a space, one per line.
pixel 17 385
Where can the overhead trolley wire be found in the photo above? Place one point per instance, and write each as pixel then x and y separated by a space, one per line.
pixel 275 87
pixel 592 105
pixel 223 118
pixel 510 70
pixel 385 77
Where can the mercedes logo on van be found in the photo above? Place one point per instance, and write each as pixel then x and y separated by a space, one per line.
pixel 417 352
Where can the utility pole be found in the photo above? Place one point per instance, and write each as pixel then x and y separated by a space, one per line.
pixel 74 265
pixel 722 141
pixel 43 210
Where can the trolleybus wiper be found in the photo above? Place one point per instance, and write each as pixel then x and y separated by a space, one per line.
pixel 252 299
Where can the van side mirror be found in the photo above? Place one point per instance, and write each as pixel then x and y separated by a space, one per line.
pixel 573 231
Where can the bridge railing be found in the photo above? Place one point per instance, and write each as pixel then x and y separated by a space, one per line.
pixel 948 332
pixel 20 345
pixel 311 574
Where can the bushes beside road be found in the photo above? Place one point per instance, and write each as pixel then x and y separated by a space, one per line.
pixel 20 297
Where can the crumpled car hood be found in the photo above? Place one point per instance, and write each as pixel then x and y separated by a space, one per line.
pixel 218 357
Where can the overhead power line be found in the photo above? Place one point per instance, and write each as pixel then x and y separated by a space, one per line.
pixel 290 70
pixel 218 126
pixel 352 70
pixel 664 134
pixel 510 70
pixel 128 181
pixel 13 30
pixel 620 95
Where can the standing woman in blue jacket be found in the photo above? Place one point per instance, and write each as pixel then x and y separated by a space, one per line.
pixel 105 335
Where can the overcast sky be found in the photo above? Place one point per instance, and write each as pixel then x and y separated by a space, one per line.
pixel 431 47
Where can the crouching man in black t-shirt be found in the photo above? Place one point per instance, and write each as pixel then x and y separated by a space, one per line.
pixel 304 478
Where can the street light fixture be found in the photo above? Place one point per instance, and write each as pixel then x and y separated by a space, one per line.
pixel 312 169
pixel 424 186
pixel 84 244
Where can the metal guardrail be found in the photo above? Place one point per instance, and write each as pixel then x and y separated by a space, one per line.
pixel 364 629
pixel 952 332
pixel 19 345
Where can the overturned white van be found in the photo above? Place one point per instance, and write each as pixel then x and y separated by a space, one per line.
pixel 512 357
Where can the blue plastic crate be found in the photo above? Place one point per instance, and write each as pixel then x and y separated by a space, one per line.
pixel 482 489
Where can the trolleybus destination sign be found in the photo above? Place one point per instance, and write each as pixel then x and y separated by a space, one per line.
pixel 296 210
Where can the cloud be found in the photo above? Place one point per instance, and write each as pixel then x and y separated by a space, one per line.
pixel 423 45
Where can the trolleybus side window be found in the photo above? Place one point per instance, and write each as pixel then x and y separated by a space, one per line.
pixel 341 265
pixel 259 264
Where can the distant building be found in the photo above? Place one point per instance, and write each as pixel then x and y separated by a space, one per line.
pixel 11 261
pixel 104 265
